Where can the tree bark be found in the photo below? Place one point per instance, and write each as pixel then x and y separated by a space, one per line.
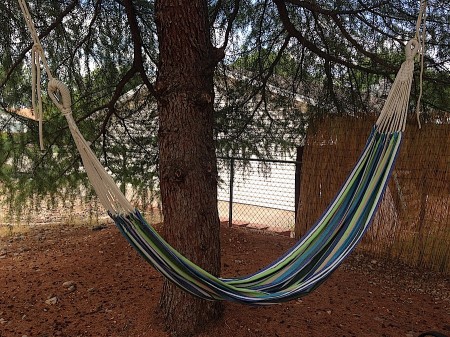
pixel 188 170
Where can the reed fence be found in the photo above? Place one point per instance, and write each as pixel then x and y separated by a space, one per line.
pixel 413 222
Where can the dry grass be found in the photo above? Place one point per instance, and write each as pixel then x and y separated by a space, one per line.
pixel 8 230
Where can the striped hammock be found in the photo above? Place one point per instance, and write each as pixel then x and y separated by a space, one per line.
pixel 312 259
pixel 308 263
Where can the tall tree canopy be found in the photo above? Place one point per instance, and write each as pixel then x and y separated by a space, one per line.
pixel 340 54
pixel 142 75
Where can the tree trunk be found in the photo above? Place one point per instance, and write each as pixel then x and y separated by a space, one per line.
pixel 188 171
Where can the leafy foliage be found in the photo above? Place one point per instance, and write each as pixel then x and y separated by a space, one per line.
pixel 284 61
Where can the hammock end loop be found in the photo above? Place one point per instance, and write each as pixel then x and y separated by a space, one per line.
pixel 37 48
pixel 412 48
pixel 60 95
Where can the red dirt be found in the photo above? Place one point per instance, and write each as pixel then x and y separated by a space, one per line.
pixel 115 293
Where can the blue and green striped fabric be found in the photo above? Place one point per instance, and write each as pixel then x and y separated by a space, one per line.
pixel 312 259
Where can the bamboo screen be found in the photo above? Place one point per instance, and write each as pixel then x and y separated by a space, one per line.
pixel 413 222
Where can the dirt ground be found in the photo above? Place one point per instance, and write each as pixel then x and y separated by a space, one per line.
pixel 76 281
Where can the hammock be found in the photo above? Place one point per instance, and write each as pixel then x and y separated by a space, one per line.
pixel 313 258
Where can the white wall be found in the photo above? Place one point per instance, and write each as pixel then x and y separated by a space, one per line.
pixel 269 185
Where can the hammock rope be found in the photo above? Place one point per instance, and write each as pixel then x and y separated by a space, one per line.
pixel 314 257
pixel 420 36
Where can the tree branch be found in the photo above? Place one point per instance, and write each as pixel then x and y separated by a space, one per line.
pixel 294 32
pixel 231 20
pixel 314 7
pixel 117 93
pixel 46 32
pixel 215 12
pixel 359 47
pixel 138 60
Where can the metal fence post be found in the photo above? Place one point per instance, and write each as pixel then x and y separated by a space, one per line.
pixel 230 204
pixel 298 176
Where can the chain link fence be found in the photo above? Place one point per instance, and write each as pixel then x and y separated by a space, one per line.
pixel 258 193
